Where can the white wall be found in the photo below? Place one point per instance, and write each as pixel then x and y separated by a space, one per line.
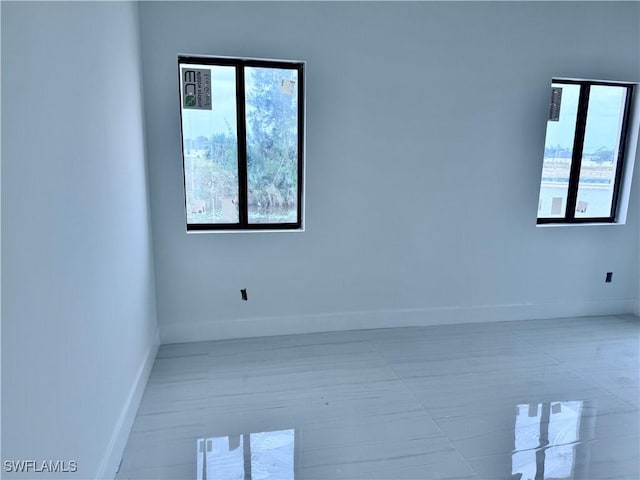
pixel 78 312
pixel 425 132
pixel 0 246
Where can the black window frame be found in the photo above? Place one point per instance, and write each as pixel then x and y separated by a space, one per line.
pixel 578 145
pixel 243 207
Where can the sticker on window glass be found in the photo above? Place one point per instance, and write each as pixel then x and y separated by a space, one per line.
pixel 554 108
pixel 196 88
pixel 582 206
pixel 287 86
pixel 556 205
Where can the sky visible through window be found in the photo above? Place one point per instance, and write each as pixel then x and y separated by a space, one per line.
pixel 204 123
pixel 604 112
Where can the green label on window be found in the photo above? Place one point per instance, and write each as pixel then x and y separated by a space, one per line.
pixel 196 88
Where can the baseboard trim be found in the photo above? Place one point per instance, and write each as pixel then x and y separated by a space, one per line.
pixel 180 332
pixel 113 453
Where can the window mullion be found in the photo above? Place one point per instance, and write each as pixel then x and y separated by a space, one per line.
pixel 576 158
pixel 621 152
pixel 243 208
pixel 301 139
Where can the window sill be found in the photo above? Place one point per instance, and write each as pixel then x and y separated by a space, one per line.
pixel 584 224
pixel 293 230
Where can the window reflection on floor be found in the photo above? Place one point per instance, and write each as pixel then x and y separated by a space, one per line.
pixel 552 440
pixel 254 456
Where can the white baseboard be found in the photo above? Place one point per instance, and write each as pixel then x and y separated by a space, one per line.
pixel 185 331
pixel 113 453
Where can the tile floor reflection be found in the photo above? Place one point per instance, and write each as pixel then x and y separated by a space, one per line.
pixel 259 456
pixel 553 440
pixel 506 400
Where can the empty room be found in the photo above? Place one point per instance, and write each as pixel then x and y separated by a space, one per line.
pixel 320 240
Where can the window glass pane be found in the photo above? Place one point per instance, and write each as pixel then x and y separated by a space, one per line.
pixel 272 144
pixel 558 150
pixel 210 143
pixel 600 153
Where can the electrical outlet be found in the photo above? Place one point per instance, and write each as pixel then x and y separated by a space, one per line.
pixel 608 277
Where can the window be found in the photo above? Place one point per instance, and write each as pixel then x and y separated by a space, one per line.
pixel 242 143
pixel 584 151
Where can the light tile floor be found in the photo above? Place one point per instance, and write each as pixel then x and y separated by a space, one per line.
pixel 507 400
